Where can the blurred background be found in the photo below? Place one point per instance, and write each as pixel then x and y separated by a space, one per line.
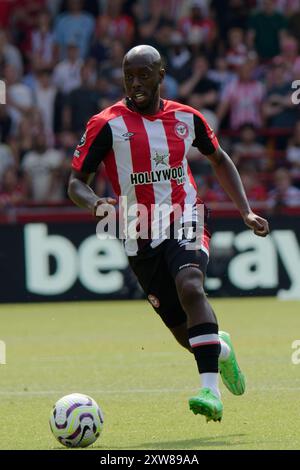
pixel 236 61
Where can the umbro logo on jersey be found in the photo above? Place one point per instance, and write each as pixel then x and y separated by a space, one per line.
pixel 128 135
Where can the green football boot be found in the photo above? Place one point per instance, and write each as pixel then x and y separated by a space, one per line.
pixel 207 404
pixel 231 374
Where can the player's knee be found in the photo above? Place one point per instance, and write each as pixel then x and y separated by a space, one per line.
pixel 190 289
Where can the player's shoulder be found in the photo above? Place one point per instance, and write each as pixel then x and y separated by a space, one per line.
pixel 175 106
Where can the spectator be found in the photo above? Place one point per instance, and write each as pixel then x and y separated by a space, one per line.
pixel 66 75
pixel 179 58
pixel 22 141
pixel 9 54
pixel 174 9
pixel 55 100
pixel 115 25
pixel 111 70
pixel 108 94
pixel 41 51
pixel 162 37
pixel 278 107
pixel 243 98
pixel 197 27
pixel 150 21
pixel 6 159
pixel 230 14
pixel 265 28
pixel 42 166
pixel 44 96
pixel 12 189
pixel 200 84
pixel 237 51
pixel 255 191
pixel 29 127
pixel 82 102
pixel 169 89
pixel 90 6
pixel 247 148
pixel 76 27
pixel 289 56
pixel 284 194
pixel 100 48
pixel 67 142
pixel 220 73
pixel 23 19
pixel 19 96
pixel 293 152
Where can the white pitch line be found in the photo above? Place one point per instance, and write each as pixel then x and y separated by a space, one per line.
pixel 134 391
pixel 102 392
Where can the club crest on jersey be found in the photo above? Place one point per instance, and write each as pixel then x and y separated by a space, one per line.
pixel 154 301
pixel 82 140
pixel 181 130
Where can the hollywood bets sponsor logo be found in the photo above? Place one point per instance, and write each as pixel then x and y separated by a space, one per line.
pixel 157 176
pixel 181 130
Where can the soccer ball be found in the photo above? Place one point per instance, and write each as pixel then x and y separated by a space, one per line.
pixel 76 420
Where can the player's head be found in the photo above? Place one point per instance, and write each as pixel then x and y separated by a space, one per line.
pixel 143 74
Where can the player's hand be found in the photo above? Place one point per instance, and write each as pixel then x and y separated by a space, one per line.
pixel 259 225
pixel 103 201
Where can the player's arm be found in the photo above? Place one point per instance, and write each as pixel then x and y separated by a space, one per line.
pixel 90 152
pixel 80 192
pixel 230 180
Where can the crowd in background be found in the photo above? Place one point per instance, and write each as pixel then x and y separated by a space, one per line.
pixel 236 61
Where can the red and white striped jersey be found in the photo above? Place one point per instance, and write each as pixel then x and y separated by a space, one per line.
pixel 145 157
pixel 245 100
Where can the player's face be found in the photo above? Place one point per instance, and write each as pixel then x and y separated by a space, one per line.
pixel 141 82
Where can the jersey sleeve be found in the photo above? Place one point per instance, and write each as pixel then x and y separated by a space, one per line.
pixel 94 145
pixel 205 138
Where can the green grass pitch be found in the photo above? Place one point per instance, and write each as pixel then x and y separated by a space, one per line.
pixel 122 355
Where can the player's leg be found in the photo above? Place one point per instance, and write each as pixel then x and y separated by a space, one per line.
pixel 181 335
pixel 203 336
pixel 188 268
pixel 163 291
pixel 231 374
pixel 160 290
pixel 159 286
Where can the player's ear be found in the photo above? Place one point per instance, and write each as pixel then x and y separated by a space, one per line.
pixel 162 74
